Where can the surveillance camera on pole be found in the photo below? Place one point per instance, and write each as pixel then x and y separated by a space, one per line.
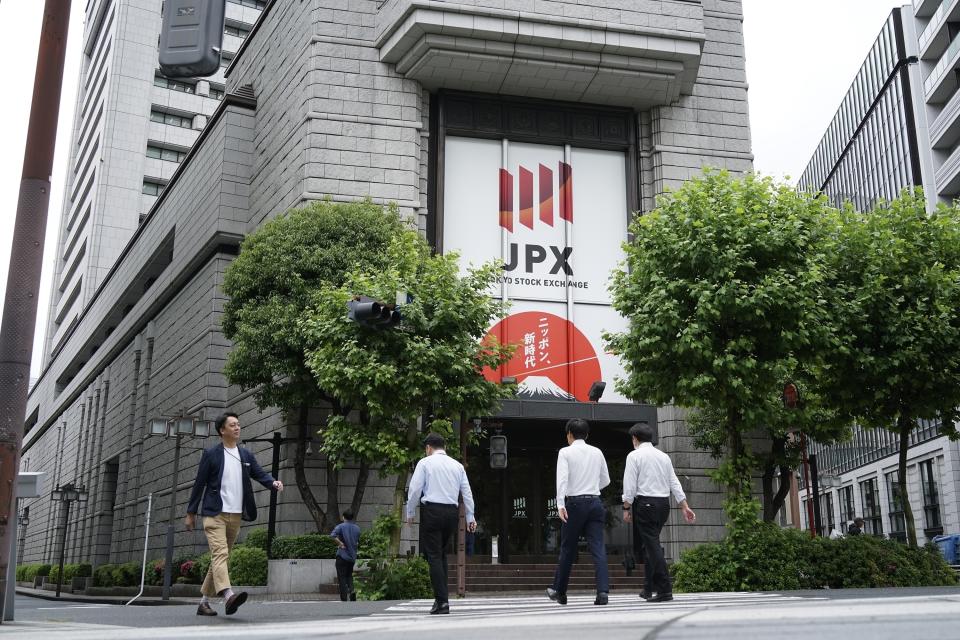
pixel 373 313
pixel 191 37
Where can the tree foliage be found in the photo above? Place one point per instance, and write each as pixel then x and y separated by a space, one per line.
pixel 270 287
pixel 896 296
pixel 431 365
pixel 723 289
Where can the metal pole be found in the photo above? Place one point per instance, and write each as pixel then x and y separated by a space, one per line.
pixel 26 260
pixel 12 568
pixel 63 543
pixel 462 528
pixel 277 440
pixel 171 519
pixel 806 482
pixel 815 484
pixel 146 543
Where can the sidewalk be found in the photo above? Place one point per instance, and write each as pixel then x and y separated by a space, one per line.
pixel 158 601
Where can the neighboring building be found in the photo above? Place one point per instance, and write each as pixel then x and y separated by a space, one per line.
pixel 876 145
pixel 528 134
pixel 897 127
pixel 132 128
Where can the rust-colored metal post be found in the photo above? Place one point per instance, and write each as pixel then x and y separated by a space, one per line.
pixel 26 261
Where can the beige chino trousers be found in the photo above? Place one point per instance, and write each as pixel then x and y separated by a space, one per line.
pixel 222 531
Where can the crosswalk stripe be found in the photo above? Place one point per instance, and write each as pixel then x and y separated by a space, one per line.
pixel 528 605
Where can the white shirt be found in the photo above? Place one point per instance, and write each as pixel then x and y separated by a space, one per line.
pixel 650 473
pixel 581 471
pixel 439 479
pixel 231 482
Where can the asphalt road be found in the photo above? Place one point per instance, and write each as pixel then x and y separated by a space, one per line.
pixel 895 614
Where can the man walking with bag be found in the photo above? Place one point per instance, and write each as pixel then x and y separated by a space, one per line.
pixel 648 482
pixel 436 485
pixel 581 474
pixel 223 481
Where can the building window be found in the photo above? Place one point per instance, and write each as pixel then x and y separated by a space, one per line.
pixel 173 119
pixel 847 509
pixel 898 526
pixel 216 92
pixel 225 60
pixel 174 85
pixel 870 504
pixel 235 30
pixel 253 4
pixel 152 188
pixel 163 153
pixel 931 497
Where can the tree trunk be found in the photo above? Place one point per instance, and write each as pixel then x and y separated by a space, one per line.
pixel 306 493
pixel 362 476
pixel 905 426
pixel 333 495
pixel 769 513
pixel 773 502
pixel 739 486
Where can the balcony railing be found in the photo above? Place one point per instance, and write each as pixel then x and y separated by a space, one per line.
pixel 947 63
pixel 937 22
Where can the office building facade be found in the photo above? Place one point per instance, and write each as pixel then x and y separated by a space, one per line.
pixel 897 127
pixel 518 132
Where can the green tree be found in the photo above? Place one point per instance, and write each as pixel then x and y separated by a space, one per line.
pixel 270 286
pixel 430 366
pixel 722 286
pixel 897 281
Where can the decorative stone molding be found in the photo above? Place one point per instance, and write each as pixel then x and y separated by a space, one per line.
pixel 460 45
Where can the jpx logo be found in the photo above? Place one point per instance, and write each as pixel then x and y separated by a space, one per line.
pixel 534 254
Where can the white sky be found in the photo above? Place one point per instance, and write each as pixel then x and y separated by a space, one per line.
pixel 801 57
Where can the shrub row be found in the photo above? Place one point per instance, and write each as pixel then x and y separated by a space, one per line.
pixel 27 572
pixel 768 558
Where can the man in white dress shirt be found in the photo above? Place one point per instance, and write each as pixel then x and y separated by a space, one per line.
pixel 648 482
pixel 436 485
pixel 581 474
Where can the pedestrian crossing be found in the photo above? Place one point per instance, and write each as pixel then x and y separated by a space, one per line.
pixel 529 605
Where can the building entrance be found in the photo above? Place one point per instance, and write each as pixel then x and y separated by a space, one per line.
pixel 517 506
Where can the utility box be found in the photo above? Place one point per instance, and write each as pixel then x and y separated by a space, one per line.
pixel 191 37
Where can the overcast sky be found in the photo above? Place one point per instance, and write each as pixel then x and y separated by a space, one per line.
pixel 801 57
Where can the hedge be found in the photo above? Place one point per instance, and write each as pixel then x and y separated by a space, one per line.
pixel 70 571
pixel 248 566
pixel 768 558
pixel 27 572
pixel 309 546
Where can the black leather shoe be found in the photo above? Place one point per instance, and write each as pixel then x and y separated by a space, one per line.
pixel 645 594
pixel 353 597
pixel 234 602
pixel 661 597
pixel 602 598
pixel 440 608
pixel 556 596
pixel 205 610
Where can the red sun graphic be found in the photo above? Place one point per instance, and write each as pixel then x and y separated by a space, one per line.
pixel 553 359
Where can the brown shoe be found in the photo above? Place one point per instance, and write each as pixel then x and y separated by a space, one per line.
pixel 205 610
pixel 233 602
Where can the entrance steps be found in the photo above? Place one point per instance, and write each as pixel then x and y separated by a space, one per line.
pixel 539 575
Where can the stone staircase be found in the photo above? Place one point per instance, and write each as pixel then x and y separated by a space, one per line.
pixel 537 576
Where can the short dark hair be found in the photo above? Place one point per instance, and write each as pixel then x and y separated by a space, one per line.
pixel 222 421
pixel 642 432
pixel 858 521
pixel 348 514
pixel 578 428
pixel 435 440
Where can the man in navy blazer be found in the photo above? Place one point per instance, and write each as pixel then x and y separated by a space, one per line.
pixel 223 482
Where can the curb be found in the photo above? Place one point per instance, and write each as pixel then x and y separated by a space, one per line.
pixel 68 597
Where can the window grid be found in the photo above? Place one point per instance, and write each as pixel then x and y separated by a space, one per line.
pixel 173 119
pixel 174 85
pixel 165 153
pixel 870 504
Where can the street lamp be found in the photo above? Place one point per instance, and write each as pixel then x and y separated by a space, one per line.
pixel 66 495
pixel 177 427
